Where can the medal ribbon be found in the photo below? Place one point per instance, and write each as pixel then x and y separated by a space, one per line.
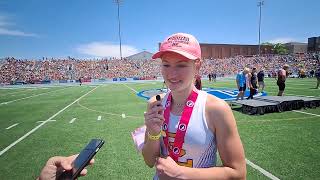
pixel 174 151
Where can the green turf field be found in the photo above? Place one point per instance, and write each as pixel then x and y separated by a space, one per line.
pixel 284 144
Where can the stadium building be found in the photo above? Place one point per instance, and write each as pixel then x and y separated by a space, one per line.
pixel 296 47
pixel 144 55
pixel 314 44
pixel 220 51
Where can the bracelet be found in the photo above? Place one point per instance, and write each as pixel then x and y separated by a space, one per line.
pixel 156 137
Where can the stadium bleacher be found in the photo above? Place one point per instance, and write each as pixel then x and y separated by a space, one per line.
pixel 35 71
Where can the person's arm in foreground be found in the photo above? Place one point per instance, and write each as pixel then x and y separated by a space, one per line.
pixel 221 120
pixel 55 166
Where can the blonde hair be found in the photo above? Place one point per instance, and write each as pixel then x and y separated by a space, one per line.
pixel 246 70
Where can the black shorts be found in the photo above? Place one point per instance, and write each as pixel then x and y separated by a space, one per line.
pixel 254 86
pixel 281 85
pixel 242 88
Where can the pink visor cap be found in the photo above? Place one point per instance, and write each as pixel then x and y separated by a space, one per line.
pixel 180 43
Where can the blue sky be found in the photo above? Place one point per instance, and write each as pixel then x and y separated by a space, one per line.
pixel 89 28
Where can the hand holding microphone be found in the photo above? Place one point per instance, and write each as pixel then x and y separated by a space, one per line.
pixel 163 150
pixel 154 117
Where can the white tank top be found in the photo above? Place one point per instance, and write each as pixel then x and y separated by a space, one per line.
pixel 199 148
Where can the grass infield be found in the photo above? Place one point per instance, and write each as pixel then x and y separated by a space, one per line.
pixel 284 144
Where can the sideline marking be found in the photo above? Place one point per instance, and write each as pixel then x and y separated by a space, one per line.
pixel 12 126
pixel 306 113
pixel 112 114
pixel 52 120
pixel 130 88
pixel 274 120
pixel 264 172
pixel 30 97
pixel 37 127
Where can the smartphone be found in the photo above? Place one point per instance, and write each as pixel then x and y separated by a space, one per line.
pixel 83 159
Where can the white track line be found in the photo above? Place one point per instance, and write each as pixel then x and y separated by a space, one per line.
pixel 72 120
pixel 52 120
pixel 260 169
pixel 274 120
pixel 99 118
pixel 306 113
pixel 130 88
pixel 264 172
pixel 12 126
pixel 37 127
pixel 112 114
pixel 29 97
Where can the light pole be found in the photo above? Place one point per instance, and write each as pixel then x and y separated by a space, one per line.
pixel 118 3
pixel 260 4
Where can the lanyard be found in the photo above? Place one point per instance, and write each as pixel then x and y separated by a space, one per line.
pixel 174 151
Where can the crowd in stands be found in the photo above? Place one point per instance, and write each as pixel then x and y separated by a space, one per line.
pixel 269 63
pixel 31 71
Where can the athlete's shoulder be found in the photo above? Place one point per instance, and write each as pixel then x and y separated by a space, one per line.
pixel 215 104
pixel 218 112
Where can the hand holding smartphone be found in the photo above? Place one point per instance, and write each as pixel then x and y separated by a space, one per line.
pixel 82 160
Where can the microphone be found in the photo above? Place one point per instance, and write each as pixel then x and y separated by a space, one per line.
pixel 163 150
pixel 158 98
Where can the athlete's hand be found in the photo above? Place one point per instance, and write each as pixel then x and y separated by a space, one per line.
pixel 153 118
pixel 167 168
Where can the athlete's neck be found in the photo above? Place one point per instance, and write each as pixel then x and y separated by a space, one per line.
pixel 180 97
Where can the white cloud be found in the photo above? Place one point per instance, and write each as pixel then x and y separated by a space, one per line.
pixel 5 30
pixel 105 49
pixel 282 40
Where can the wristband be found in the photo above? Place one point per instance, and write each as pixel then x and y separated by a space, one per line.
pixel 156 137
